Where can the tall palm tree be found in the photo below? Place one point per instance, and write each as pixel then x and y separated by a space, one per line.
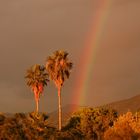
pixel 58 67
pixel 37 78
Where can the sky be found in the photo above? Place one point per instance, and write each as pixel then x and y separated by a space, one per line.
pixel 30 30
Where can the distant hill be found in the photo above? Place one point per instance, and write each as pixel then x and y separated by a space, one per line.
pixel 131 104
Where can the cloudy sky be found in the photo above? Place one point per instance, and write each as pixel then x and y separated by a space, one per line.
pixel 30 30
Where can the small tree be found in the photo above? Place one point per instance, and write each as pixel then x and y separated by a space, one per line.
pixel 58 67
pixel 37 78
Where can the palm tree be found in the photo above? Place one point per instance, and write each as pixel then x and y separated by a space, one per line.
pixel 58 67
pixel 37 78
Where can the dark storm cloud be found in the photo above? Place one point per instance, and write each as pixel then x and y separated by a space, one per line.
pixel 30 30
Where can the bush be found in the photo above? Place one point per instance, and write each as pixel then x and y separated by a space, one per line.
pixel 92 122
pixel 25 127
pixel 126 127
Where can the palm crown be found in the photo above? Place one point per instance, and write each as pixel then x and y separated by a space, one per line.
pixel 37 78
pixel 59 67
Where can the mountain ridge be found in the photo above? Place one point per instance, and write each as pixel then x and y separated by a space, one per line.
pixel 131 104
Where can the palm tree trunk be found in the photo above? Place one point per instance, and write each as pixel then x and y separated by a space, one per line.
pixel 37 102
pixel 59 109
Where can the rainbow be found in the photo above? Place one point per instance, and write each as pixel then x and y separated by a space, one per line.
pixel 88 55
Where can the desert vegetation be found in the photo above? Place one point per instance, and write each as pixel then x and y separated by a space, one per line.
pixel 84 124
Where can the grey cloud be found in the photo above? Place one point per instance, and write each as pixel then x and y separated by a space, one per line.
pixel 32 30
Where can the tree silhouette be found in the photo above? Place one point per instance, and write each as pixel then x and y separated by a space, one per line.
pixel 58 67
pixel 37 78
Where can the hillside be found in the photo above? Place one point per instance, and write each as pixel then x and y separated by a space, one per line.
pixel 131 104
